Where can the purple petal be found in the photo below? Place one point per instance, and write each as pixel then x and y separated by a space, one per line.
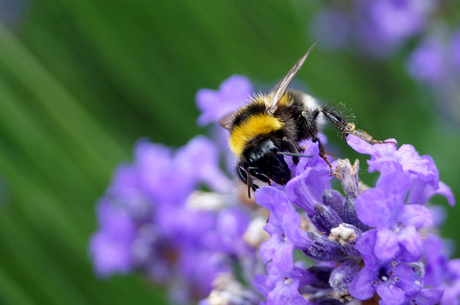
pixel 397 183
pixel 365 245
pixel 412 244
pixel 372 208
pixel 110 255
pixel 445 191
pixel 427 296
pixel 417 216
pixel 298 192
pixel 412 162
pixel 361 286
pixel 391 294
pixel 260 282
pixel 428 62
pixel 269 248
pixel 360 145
pixel 435 261
pixel 386 245
pixel 269 197
pixel 231 95
pixel 291 225
pixel 406 279
pixel 199 159
pixel 283 259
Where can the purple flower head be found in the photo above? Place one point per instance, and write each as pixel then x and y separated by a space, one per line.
pixel 383 207
pixel 383 25
pixel 428 63
pixel 426 296
pixel 452 283
pixel 441 273
pixel 392 281
pixel 152 219
pixel 197 162
pixel 110 247
pixel 312 177
pixel 283 227
pixel 227 237
pixel 360 243
pixel 215 104
pixel 281 287
pixel 386 159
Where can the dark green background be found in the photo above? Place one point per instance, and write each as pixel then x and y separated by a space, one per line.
pixel 81 81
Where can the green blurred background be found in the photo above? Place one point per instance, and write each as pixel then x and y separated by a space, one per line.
pixel 81 81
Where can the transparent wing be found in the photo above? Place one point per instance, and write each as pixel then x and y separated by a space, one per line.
pixel 277 92
pixel 227 120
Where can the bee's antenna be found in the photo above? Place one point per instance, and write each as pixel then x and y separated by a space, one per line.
pixel 277 92
pixel 284 153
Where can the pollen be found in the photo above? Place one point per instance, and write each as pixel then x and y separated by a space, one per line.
pixel 255 125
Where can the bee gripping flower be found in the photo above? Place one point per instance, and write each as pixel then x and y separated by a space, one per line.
pixel 302 243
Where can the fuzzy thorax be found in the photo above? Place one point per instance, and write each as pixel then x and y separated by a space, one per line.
pixel 254 125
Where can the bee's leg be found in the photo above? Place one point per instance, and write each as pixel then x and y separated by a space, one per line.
pixel 313 131
pixel 347 128
pixel 245 176
pixel 262 178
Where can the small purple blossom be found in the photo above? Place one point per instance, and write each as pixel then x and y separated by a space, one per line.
pixel 111 246
pixel 429 62
pixel 378 27
pixel 153 219
pixel 215 104
pixel 378 227
pixel 383 207
pixel 385 24
pixel 385 158
pixel 392 280
pixel 283 287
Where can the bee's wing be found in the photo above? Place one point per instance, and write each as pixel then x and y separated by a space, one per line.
pixel 227 120
pixel 277 92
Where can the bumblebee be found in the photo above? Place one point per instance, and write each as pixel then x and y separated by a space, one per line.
pixel 271 127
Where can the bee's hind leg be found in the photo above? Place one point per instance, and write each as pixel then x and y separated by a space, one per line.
pixel 347 128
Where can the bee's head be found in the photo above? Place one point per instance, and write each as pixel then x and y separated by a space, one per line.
pixel 262 157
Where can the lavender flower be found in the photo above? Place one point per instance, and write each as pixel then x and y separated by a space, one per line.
pixel 153 219
pixel 216 104
pixel 378 226
pixel 319 247
pixel 388 23
pixel 429 63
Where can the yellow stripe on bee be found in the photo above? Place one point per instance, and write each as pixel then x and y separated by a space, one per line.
pixel 255 125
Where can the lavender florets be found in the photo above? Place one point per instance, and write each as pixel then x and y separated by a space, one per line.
pixel 303 243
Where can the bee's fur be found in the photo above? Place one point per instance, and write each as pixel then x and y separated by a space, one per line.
pixel 265 136
pixel 272 126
